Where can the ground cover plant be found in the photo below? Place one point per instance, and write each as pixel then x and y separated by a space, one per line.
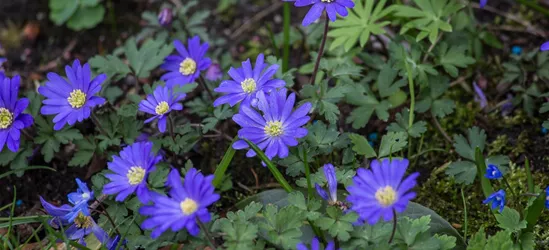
pixel 298 124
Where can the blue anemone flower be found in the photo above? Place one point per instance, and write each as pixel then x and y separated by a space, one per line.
pixel 84 225
pixel 12 119
pixel 380 191
pixel 276 128
pixel 160 104
pixel 71 100
pixel 497 199
pixel 545 46
pixel 247 81
pixel 131 169
pixel 186 203
pixel 329 173
pixel 332 7
pixel 493 172
pixel 186 66
pixel 82 194
pixel 483 3
pixel 315 245
pixel 547 197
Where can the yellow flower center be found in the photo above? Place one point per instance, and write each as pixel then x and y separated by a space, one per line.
pixel 77 99
pixel 188 206
pixel 187 66
pixel 83 221
pixel 162 108
pixel 274 129
pixel 386 196
pixel 135 175
pixel 248 85
pixel 6 118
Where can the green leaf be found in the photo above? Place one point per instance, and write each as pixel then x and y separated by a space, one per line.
pixel 224 164
pixel 86 150
pixel 453 57
pixel 367 105
pixel 401 125
pixel 466 147
pixel 534 211
pixel 86 17
pixel 501 241
pixel 478 241
pixel 282 226
pixel 359 24
pixel 111 65
pixel 386 81
pixel 509 219
pixel 148 57
pixel 62 10
pixel 463 171
pixel 409 229
pixel 339 225
pixel 361 146
pixel 391 143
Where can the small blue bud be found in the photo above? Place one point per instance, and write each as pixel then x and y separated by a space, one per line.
pixel 516 50
pixel 372 136
pixel 165 17
pixel 371 143
pixel 18 203
pixel 543 130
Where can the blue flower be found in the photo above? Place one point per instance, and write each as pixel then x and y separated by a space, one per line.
pixel 73 100
pixel 379 192
pixel 497 199
pixel 332 7
pixel 186 203
pixel 483 3
pixel 84 225
pixel 160 104
pixel 214 72
pixel 329 173
pixel 277 128
pixel 545 46
pixel 165 17
pixel 479 96
pixel 315 245
pixel 131 169
pixel 185 66
pixel 247 81
pixel 547 197
pixel 82 194
pixel 12 119
pixel 492 172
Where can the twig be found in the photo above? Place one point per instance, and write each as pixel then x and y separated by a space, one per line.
pixel 255 19
pixel 441 130
pixel 529 27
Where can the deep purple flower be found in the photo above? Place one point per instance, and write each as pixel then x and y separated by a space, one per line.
pixel 332 7
pixel 479 96
pixel 12 119
pixel 214 72
pixel 160 104
pixel 73 100
pixel 483 3
pixel 185 66
pixel 131 170
pixel 84 225
pixel 492 172
pixel 329 173
pixel 165 17
pixel 187 202
pixel 63 215
pixel 547 197
pixel 315 245
pixel 277 128
pixel 497 199
pixel 380 190
pixel 82 194
pixel 247 81
pixel 545 46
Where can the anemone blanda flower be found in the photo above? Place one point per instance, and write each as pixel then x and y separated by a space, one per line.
pixel 545 46
pixel 160 104
pixel 332 7
pixel 497 199
pixel 71 100
pixel 82 194
pixel 84 225
pixel 380 191
pixel 247 81
pixel 483 3
pixel 276 128
pixel 187 202
pixel 493 172
pixel 315 245
pixel 329 173
pixel 185 66
pixel 547 197
pixel 480 97
pixel 165 17
pixel 12 119
pixel 131 169
pixel 66 213
pixel 214 72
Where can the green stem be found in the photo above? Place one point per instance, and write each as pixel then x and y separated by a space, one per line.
pixel 529 178
pixel 307 175
pixel 412 102
pixel 394 226
pixel 276 174
pixel 515 197
pixel 320 50
pixel 464 215
pixel 533 5
pixel 206 233
pixel 286 48
pixel 224 164
pixel 11 215
pixel 202 82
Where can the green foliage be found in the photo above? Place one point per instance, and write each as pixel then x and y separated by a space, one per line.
pixel 509 219
pixel 282 225
pixel 453 57
pixel 362 21
pixel 338 224
pixel 78 15
pixel 239 230
pixel 401 125
pixel 431 98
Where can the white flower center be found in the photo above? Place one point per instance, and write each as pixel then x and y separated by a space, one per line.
pixel 274 129
pixel 6 118
pixel 77 98
pixel 386 196
pixel 248 85
pixel 162 108
pixel 187 66
pixel 188 206
pixel 135 175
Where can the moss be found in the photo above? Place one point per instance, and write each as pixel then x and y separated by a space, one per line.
pixel 499 146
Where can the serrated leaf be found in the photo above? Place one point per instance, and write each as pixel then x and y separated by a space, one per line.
pixel 111 65
pixel 401 125
pixel 462 171
pixel 361 146
pixel 466 147
pixel 86 150
pixel 509 219
pixel 391 143
pixel 453 57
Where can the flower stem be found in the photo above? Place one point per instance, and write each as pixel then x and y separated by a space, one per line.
pixel 321 50
pixel 412 101
pixel 171 127
pixel 98 124
pixel 203 83
pixel 307 175
pixel 206 233
pixel 464 215
pixel 509 187
pixel 394 226
pixel 110 218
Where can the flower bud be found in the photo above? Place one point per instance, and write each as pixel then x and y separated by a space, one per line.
pixel 165 17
